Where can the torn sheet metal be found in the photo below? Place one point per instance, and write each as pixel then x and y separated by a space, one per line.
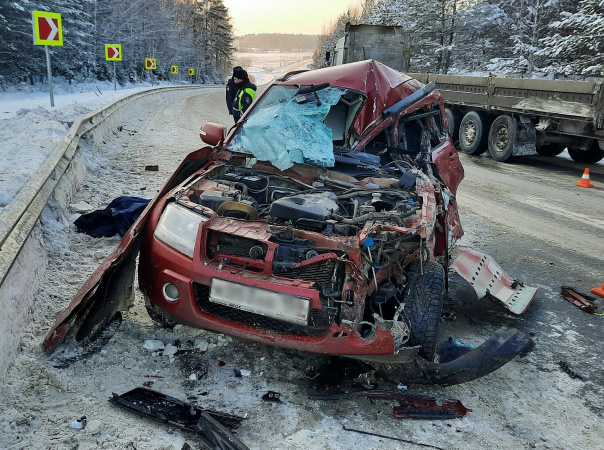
pixel 487 277
pixel 213 427
pixel 583 301
pixel 290 131
pixel 411 406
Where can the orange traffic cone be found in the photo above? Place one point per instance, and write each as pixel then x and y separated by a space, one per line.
pixel 585 182
pixel 598 290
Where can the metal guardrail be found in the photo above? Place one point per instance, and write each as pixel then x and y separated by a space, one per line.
pixel 19 218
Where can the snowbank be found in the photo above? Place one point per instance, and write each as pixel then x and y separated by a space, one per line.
pixel 30 130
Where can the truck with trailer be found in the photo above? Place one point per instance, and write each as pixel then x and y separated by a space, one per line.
pixel 508 117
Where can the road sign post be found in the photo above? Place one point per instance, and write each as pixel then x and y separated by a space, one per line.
pixel 48 31
pixel 49 73
pixel 191 73
pixel 113 52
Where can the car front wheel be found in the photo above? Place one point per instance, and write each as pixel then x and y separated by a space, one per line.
pixel 424 296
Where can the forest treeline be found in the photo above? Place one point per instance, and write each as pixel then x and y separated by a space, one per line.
pixel 517 37
pixel 187 33
pixel 278 42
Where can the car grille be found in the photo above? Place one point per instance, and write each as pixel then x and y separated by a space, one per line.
pixel 325 317
pixel 321 274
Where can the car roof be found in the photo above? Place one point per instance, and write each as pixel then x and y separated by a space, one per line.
pixel 382 85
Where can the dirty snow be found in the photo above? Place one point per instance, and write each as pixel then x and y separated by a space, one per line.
pixel 527 404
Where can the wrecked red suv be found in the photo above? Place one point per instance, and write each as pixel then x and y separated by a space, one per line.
pixel 323 222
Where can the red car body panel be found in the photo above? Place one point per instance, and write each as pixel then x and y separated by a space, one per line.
pixel 160 264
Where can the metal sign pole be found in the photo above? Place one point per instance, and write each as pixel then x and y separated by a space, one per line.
pixel 52 97
pixel 114 77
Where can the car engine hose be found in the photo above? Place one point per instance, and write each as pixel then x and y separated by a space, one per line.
pixel 373 216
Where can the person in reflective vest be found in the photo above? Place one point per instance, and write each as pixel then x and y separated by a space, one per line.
pixel 231 91
pixel 246 93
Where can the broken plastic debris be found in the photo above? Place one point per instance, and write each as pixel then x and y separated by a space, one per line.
pixel 245 372
pixel 288 132
pixel 272 396
pixel 153 345
pixel 401 387
pixel 193 377
pixel 212 427
pixel 79 424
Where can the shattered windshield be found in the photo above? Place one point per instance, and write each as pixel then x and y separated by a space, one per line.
pixel 285 127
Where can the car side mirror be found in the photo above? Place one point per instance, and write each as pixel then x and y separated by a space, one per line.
pixel 212 133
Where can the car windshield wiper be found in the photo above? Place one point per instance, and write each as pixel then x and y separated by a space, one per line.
pixel 309 93
pixel 312 88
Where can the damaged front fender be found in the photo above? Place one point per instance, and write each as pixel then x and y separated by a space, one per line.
pixel 111 287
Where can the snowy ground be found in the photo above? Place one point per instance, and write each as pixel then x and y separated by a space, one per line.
pixel 529 403
pixel 30 129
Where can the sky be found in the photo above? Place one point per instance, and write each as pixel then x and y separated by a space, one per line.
pixel 284 16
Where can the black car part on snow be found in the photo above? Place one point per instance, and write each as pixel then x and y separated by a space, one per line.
pixel 213 427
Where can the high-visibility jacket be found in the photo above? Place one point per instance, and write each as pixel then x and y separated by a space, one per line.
pixel 249 91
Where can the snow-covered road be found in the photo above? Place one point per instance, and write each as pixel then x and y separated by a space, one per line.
pixel 30 129
pixel 512 407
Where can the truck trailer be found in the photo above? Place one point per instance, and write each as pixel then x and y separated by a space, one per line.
pixel 509 117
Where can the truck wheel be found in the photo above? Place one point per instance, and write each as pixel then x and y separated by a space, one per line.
pixel 502 137
pixel 453 117
pixel 424 296
pixel 591 156
pixel 473 133
pixel 157 315
pixel 551 149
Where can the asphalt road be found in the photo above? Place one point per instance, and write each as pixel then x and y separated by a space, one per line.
pixel 529 216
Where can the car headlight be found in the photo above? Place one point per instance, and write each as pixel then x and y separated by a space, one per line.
pixel 178 227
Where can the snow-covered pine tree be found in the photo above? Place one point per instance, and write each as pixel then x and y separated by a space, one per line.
pixel 173 31
pixel 577 47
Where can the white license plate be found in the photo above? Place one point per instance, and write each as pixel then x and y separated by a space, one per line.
pixel 285 307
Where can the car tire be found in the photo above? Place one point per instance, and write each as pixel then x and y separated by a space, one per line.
pixel 424 297
pixel 591 156
pixel 453 117
pixel 502 136
pixel 551 150
pixel 157 315
pixel 473 133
